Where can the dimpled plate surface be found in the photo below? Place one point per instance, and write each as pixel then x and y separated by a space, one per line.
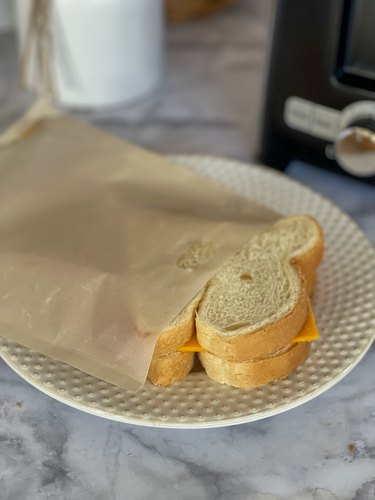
pixel 343 304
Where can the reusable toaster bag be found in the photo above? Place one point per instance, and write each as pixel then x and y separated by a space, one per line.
pixel 98 240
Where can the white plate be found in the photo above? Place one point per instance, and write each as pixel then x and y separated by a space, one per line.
pixel 343 303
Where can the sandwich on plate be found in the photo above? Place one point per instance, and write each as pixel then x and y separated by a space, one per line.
pixel 252 323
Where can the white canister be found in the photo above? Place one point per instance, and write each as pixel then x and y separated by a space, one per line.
pixel 104 51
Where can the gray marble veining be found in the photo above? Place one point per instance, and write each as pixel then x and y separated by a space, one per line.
pixel 323 450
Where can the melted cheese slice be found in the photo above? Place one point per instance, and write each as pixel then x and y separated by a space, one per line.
pixel 308 333
pixel 309 330
pixel 191 346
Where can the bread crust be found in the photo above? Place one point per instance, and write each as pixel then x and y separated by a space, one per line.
pixel 255 344
pixel 309 262
pixel 276 335
pixel 256 372
pixel 166 370
pixel 179 331
pixel 173 338
pixel 240 360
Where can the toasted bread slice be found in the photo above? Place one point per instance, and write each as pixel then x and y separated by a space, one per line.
pixel 258 301
pixel 250 311
pixel 165 370
pixel 168 365
pixel 179 331
pixel 255 372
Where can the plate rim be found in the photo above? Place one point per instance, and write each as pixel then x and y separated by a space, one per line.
pixel 230 421
pixel 214 424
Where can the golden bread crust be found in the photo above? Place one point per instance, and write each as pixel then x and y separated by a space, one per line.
pixel 255 372
pixel 255 344
pixel 240 360
pixel 279 333
pixel 165 370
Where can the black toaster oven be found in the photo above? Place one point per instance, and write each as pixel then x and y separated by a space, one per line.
pixel 320 93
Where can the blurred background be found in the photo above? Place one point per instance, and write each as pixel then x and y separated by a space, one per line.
pixel 287 84
pixel 208 98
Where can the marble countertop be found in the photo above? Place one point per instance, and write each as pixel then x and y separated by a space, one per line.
pixel 323 450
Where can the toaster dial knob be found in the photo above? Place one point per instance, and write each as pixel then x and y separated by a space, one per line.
pixel 355 147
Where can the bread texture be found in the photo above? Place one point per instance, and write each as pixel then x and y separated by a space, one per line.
pixel 166 370
pixel 257 302
pixel 255 372
pixel 250 311
pixel 167 365
pixel 179 331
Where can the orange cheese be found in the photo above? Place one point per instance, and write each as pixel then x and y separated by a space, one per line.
pixel 191 346
pixel 308 333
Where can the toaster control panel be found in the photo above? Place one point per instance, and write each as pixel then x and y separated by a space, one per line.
pixel 352 130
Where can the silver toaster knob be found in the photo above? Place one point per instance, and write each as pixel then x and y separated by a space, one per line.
pixel 355 147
